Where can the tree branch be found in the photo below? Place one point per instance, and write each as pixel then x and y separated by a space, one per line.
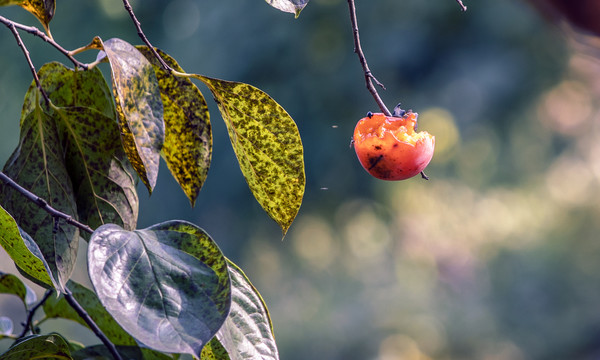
pixel 369 78
pixel 43 204
pixel 88 320
pixel 37 32
pixel 462 6
pixel 141 34
pixel 29 322
pixel 15 32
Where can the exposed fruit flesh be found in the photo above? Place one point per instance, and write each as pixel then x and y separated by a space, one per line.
pixel 389 148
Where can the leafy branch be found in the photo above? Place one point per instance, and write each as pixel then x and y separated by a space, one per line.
pixel 43 204
pixel 76 165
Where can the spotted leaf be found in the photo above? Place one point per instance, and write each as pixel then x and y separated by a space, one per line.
pixel 188 139
pixel 267 144
pixel 18 248
pixel 38 165
pixel 43 10
pixel 51 346
pixel 167 285
pixel 101 175
pixel 139 107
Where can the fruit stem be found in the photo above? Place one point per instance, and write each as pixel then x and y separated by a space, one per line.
pixel 369 77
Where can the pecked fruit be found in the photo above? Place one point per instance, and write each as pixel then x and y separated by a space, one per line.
pixel 389 148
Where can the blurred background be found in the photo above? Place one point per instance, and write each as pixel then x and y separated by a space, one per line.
pixel 496 257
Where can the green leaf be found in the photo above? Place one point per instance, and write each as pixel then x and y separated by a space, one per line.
pixel 139 108
pixel 51 346
pixel 214 351
pixel 247 333
pixel 100 352
pixel 101 175
pixel 267 144
pixel 188 139
pixel 100 172
pixel 32 263
pixel 43 10
pixel 10 284
pixel 38 165
pixel 71 88
pixel 167 285
pixel 6 326
pixel 58 307
pixel 291 6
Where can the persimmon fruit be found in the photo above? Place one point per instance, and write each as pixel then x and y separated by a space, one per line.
pixel 390 148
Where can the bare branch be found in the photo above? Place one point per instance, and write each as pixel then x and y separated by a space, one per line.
pixel 88 320
pixel 369 78
pixel 29 322
pixel 43 204
pixel 142 36
pixel 15 32
pixel 37 32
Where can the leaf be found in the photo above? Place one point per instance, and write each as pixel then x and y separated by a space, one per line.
pixel 6 326
pixel 97 165
pixel 214 351
pixel 99 169
pixel 139 108
pixel 188 139
pixel 291 6
pixel 16 247
pixel 38 165
pixel 98 352
pixel 10 284
pixel 267 144
pixel 71 88
pixel 51 346
pixel 247 333
pixel 43 10
pixel 58 307
pixel 167 285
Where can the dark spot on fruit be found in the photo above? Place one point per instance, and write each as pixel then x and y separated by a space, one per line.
pixel 377 147
pixel 374 160
pixel 369 114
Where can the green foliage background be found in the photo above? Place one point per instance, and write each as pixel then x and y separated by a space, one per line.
pixel 496 255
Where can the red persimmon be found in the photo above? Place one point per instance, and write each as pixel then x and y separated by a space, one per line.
pixel 389 148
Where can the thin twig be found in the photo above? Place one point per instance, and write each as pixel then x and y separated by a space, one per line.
pixel 29 322
pixel 88 320
pixel 462 6
pixel 369 78
pixel 38 83
pixel 37 32
pixel 142 36
pixel 43 204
